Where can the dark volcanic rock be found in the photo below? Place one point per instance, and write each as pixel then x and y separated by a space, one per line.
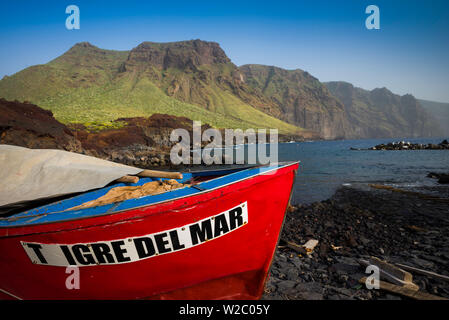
pixel 181 55
pixel 443 178
pixel 354 224
pixel 141 142
pixel 27 125
pixel 403 145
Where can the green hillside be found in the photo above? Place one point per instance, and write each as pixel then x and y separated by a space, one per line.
pixel 88 84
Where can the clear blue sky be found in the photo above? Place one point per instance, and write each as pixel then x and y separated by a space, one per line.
pixel 409 54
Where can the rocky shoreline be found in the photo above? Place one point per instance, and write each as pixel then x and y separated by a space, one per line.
pixel 404 145
pixel 397 226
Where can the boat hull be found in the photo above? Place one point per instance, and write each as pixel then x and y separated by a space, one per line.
pixel 233 263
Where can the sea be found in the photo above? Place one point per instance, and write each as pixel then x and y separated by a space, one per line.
pixel 327 165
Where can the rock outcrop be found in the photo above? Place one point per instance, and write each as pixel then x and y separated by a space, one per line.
pixel 141 142
pixel 405 145
pixel 27 125
pixel 183 55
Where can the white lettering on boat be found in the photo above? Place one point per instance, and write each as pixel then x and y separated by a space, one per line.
pixel 138 248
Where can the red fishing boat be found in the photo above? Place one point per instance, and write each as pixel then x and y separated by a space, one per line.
pixel 214 239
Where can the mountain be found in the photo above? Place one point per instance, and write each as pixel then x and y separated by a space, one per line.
pixel 194 79
pixel 338 109
pixel 301 98
pixel 440 111
pixel 379 113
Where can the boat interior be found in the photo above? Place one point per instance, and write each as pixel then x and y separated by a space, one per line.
pixel 65 207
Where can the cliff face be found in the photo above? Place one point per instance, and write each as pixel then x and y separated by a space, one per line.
pixel 183 55
pixel 197 72
pixel 440 112
pixel 382 114
pixel 303 100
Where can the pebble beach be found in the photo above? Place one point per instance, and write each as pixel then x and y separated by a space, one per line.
pixel 397 226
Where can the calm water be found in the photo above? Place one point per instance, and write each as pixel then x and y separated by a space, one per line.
pixel 326 165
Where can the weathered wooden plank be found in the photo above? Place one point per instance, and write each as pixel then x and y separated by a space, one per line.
pixel 392 273
pixel 423 272
pixel 404 291
pixel 296 247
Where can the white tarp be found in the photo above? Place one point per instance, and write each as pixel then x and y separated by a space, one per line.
pixel 29 174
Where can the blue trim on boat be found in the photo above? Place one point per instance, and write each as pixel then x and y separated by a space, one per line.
pixel 59 211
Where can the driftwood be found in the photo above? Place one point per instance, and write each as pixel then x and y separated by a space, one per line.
pixel 307 248
pixel 423 272
pixel 392 273
pixel 296 247
pixel 404 291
